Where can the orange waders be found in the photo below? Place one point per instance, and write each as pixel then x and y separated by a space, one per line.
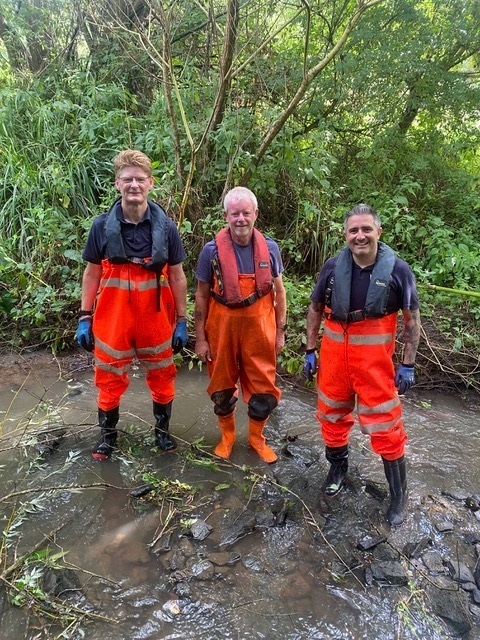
pixel 242 346
pixel 356 360
pixel 126 323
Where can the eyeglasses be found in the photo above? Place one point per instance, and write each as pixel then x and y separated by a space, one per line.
pixel 137 180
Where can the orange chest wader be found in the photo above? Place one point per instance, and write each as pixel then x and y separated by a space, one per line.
pixel 356 365
pixel 242 341
pixel 134 316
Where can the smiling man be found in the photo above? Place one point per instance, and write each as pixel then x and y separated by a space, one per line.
pixel 358 294
pixel 133 300
pixel 240 314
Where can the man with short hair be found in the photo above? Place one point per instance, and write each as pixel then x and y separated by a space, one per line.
pixel 359 293
pixel 240 321
pixel 135 279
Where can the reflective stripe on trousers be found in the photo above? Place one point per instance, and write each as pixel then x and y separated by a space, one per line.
pixel 356 367
pixel 126 324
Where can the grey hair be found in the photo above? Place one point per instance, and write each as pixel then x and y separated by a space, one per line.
pixel 362 210
pixel 239 193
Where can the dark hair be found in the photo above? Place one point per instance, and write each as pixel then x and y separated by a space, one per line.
pixel 362 210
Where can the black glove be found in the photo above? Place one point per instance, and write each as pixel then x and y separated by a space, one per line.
pixel 85 334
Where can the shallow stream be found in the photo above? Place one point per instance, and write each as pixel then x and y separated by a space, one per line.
pixel 275 582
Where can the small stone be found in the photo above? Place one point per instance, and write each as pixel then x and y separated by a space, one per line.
pixel 416 548
pixel 252 563
pixel 219 559
pixel 200 530
pixel 472 504
pixel 443 526
pixel 449 603
pixel 459 571
pixel 434 562
pixel 203 570
pixel 368 577
pixel 389 574
pixel 455 494
pixel 471 537
pixel 370 542
pixel 475 611
pixel 172 607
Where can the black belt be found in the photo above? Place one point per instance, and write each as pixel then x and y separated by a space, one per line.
pixel 247 302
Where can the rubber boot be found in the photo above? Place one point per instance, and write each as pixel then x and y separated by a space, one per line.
pixel 257 441
pixel 162 414
pixel 108 422
pixel 396 474
pixel 227 427
pixel 338 458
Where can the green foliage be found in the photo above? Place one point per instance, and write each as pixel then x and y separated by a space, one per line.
pixel 166 489
pixel 298 299
pixel 28 584
pixel 392 120
pixel 58 142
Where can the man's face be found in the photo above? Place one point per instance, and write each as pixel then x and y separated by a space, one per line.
pixel 362 237
pixel 240 217
pixel 134 185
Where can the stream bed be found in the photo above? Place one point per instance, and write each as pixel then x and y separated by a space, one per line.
pixel 228 551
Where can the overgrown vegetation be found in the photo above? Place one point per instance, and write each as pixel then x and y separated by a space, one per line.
pixel 316 107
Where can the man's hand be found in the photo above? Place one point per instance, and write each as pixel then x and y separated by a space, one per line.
pixel 310 366
pixel 85 334
pixel 279 340
pixel 180 336
pixel 405 378
pixel 202 350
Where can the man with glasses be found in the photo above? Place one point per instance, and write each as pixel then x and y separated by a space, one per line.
pixel 133 300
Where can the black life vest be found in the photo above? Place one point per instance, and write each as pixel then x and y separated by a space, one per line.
pixel 116 250
pixel 337 296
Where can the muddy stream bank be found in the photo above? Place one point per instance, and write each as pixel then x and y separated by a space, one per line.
pixel 212 550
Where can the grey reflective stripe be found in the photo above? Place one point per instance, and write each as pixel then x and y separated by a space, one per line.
pixel 337 404
pixel 132 285
pixel 332 417
pixel 377 426
pixel 154 350
pixel 379 408
pixel 336 336
pixel 119 371
pixel 157 364
pixel 358 339
pixel 381 338
pixel 118 283
pixel 114 353
pixel 144 285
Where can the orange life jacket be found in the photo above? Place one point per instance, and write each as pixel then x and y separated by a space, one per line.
pixel 227 288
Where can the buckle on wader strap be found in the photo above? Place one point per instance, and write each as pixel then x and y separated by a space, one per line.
pixel 247 302
pixel 352 316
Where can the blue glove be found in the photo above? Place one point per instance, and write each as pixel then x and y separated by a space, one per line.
pixel 180 336
pixel 404 378
pixel 85 334
pixel 310 366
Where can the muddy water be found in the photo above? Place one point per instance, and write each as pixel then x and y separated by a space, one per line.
pixel 279 583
